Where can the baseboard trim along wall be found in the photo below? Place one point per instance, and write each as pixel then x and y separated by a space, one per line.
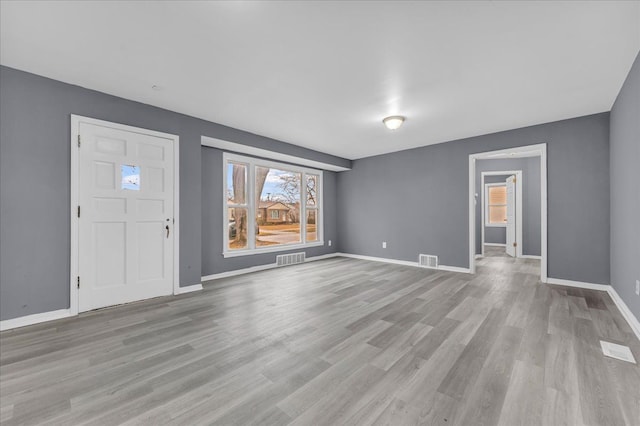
pixel 189 288
pixel 579 284
pixel 531 256
pixel 625 311
pixel 404 262
pixel 64 313
pixel 34 319
pixel 495 244
pixel 259 268
pixel 622 307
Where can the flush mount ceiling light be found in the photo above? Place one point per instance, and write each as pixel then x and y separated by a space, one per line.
pixel 393 122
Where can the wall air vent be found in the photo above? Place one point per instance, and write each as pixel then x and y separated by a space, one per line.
pixel 290 259
pixel 428 261
pixel 616 351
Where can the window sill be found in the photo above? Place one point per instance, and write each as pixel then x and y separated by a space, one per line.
pixel 282 248
pixel 495 225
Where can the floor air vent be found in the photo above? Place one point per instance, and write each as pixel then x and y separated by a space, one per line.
pixel 290 259
pixel 617 351
pixel 428 261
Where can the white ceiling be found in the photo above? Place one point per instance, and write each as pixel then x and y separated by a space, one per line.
pixel 323 74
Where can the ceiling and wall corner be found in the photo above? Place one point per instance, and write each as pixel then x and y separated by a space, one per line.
pixel 322 75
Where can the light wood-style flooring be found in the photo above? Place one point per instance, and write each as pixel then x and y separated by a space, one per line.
pixel 338 341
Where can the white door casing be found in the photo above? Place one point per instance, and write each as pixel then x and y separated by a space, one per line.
pixel 537 150
pixel 511 216
pixel 127 225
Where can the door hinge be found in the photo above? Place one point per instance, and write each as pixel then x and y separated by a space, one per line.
pixel 78 140
pixel 78 282
pixel 78 211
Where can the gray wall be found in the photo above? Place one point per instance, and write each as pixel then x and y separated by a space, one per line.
pixel 417 200
pixel 494 235
pixel 625 190
pixel 213 221
pixel 531 221
pixel 34 182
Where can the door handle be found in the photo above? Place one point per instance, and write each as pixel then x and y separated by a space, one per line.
pixel 167 228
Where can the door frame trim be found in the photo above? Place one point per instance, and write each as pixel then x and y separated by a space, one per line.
pixel 537 150
pixel 518 174
pixel 76 120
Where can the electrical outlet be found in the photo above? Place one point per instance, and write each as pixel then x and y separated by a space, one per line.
pixel 384 244
pixel 638 287
pixel 329 243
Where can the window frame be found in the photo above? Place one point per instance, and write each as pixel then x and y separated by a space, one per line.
pixel 487 205
pixel 251 164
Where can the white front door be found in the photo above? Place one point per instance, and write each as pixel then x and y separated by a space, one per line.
pixel 126 214
pixel 511 216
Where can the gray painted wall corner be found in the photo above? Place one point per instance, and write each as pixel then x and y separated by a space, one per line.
pixel 417 200
pixel 625 190
pixel 35 154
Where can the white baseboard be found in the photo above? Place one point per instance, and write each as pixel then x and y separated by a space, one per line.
pixel 238 272
pixel 625 311
pixel 327 256
pixel 260 268
pixel 34 319
pixel 322 256
pixel 404 262
pixel 530 256
pixel 579 284
pixel 63 313
pixel 454 269
pixel 378 259
pixel 189 289
pixel 495 244
pixel 478 256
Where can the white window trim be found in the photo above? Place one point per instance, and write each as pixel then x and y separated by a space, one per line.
pixel 486 205
pixel 251 164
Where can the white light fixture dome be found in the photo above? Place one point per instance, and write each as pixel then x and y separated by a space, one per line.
pixel 393 122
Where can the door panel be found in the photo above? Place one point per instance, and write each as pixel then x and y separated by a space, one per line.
pixel 125 239
pixel 511 216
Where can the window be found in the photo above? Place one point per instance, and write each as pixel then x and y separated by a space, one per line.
pixel 496 204
pixel 130 177
pixel 270 206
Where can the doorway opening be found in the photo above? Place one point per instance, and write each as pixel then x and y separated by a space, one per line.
pixel 499 199
pixel 508 205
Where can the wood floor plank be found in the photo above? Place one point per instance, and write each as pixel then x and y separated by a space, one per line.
pixel 464 372
pixel 487 396
pixel 597 394
pixel 525 396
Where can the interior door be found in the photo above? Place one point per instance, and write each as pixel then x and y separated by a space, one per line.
pixel 126 202
pixel 511 216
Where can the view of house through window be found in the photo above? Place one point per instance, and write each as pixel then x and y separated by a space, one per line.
pixel 271 211
pixel 496 205
pixel 278 207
